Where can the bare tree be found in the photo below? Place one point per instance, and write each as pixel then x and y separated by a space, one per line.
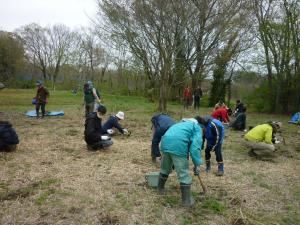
pixel 150 30
pixel 36 46
pixel 48 48
pixel 279 29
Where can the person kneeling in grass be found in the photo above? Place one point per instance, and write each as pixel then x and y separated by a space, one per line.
pixel 113 122
pixel 261 139
pixel 94 133
pixel 8 137
pixel 181 140
pixel 240 122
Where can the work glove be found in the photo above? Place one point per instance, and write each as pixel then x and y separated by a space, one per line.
pixel 110 131
pixel 125 131
pixel 196 170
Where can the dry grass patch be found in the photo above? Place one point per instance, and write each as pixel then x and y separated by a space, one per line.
pixel 53 179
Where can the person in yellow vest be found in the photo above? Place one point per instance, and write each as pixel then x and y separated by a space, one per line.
pixel 261 139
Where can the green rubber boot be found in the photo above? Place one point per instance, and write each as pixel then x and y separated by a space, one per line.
pixel 161 184
pixel 187 199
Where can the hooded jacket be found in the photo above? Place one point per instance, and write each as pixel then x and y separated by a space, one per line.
pixel 184 139
pixel 112 122
pixel 8 135
pixel 93 129
pixel 260 133
pixel 214 133
pixel 161 124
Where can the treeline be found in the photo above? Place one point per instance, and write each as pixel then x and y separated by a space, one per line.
pixel 156 47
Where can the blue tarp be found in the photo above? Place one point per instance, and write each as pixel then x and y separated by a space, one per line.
pixel 32 113
pixel 295 118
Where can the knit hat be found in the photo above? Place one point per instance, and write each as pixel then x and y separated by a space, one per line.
pixel 120 115
pixel 102 109
pixel 38 82
pixel 90 83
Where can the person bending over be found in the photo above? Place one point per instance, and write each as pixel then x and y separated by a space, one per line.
pixel 214 135
pixel 181 140
pixel 221 113
pixel 113 122
pixel 240 122
pixel 94 133
pixel 160 124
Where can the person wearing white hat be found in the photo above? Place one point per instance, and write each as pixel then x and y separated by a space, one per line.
pixel 113 123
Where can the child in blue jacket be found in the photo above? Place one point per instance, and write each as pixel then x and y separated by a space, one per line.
pixel 214 135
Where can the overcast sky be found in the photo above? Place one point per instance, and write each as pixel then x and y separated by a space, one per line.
pixel 73 13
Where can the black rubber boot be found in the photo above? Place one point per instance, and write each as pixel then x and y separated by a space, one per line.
pixel 161 183
pixel 187 199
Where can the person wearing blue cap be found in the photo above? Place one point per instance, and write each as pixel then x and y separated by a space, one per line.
pixel 41 98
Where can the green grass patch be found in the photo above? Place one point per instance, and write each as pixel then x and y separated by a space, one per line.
pixel 26 191
pixel 171 200
pixel 186 220
pixel 214 205
pixel 42 198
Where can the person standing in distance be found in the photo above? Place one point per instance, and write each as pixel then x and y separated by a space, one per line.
pixel 42 95
pixel 91 97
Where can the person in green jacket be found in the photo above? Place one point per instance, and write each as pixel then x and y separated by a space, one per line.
pixel 261 139
pixel 91 98
pixel 181 140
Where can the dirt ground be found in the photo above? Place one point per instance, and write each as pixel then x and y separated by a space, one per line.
pixel 53 179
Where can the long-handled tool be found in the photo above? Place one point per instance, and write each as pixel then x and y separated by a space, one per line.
pixel 202 184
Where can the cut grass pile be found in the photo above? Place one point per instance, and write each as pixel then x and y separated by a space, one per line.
pixel 53 179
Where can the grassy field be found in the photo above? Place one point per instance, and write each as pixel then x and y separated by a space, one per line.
pixel 53 179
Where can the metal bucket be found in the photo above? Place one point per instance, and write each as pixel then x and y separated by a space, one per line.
pixel 152 179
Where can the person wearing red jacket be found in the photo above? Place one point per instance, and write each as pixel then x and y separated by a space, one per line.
pixel 187 97
pixel 221 113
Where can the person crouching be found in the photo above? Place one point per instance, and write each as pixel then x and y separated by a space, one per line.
pixel 113 123
pixel 94 133
pixel 180 141
pixel 261 139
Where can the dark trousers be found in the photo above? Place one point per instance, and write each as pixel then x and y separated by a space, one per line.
pixel 155 152
pixel 218 152
pixel 101 144
pixel 196 103
pixel 37 108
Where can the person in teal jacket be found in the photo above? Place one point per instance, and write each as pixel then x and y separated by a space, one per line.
pixel 182 140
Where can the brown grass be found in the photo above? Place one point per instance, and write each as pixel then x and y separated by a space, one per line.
pixel 53 179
